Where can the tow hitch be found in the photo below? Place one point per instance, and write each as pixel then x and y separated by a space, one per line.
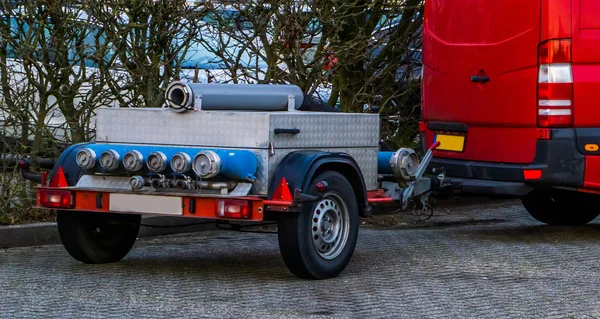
pixel 418 187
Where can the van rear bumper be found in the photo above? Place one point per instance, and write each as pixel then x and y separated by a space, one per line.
pixel 559 160
pixel 477 186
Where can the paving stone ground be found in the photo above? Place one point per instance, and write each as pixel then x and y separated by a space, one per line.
pixel 490 261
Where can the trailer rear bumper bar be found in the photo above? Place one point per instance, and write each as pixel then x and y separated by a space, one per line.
pixel 248 208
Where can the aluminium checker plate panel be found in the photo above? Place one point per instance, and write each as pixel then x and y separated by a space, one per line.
pixel 355 134
pixel 241 129
pixel 163 126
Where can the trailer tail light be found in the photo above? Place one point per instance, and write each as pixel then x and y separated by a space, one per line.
pixel 51 198
pixel 555 84
pixel 230 208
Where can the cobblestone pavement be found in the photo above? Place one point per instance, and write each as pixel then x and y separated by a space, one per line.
pixel 478 262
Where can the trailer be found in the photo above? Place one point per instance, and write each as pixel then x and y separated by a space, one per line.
pixel 232 153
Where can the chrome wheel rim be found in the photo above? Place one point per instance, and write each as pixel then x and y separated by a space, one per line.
pixel 330 226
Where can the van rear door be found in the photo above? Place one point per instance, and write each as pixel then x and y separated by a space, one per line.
pixel 586 62
pixel 480 76
pixel 445 63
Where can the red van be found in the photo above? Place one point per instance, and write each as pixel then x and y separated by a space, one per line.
pixel 510 90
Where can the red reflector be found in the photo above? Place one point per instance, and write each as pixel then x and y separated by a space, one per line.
pixel 51 198
pixel 230 208
pixel 321 187
pixel 421 127
pixel 59 180
pixel 283 191
pixel 44 178
pixel 23 164
pixel 532 174
pixel 544 134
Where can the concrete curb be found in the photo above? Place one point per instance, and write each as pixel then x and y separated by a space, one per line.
pixel 46 233
pixel 28 235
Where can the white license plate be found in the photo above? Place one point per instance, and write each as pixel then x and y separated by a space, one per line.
pixel 146 204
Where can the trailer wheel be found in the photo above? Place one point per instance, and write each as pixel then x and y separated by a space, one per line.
pixel 97 238
pixel 561 207
pixel 318 242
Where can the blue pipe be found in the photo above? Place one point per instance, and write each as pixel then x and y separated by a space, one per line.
pixel 235 164
pixel 383 163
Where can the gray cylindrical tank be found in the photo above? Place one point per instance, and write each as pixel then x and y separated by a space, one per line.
pixel 234 97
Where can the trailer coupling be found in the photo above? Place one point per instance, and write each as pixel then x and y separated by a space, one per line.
pixel 417 189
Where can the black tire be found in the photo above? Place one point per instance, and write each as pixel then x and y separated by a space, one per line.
pixel 561 207
pixel 97 238
pixel 297 243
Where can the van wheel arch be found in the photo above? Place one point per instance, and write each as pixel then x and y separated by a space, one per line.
pixel 556 207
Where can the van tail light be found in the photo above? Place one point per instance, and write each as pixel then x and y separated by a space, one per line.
pixel 555 84
pixel 52 198
pixel 229 208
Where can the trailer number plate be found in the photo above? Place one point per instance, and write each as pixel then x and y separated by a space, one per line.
pixel 146 204
pixel 454 143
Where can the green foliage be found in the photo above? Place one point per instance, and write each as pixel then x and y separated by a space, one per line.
pixel 61 60
pixel 365 52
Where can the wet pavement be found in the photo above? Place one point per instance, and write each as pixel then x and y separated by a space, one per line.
pixel 474 262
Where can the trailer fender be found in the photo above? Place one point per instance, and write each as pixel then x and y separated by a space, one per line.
pixel 301 167
pixel 67 160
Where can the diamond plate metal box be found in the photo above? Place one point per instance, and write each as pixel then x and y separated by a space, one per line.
pixel 271 135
